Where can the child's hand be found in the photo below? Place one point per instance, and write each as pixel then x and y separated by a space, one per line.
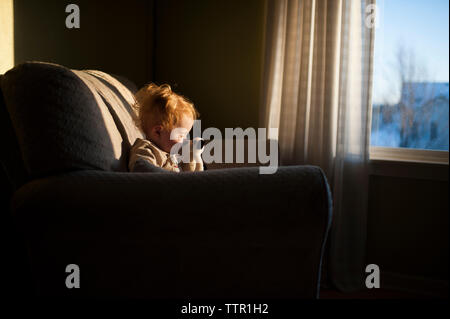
pixel 197 149
pixel 188 151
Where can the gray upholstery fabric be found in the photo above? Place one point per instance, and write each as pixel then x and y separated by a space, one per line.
pixel 118 100
pixel 205 234
pixel 128 84
pixel 67 120
pixel 14 172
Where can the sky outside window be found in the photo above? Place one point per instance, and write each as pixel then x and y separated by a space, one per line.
pixel 411 42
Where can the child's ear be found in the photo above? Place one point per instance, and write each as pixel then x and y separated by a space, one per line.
pixel 157 129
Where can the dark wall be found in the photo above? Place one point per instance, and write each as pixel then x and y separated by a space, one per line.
pixel 114 36
pixel 408 223
pixel 211 51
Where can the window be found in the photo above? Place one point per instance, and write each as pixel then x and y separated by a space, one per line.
pixel 410 100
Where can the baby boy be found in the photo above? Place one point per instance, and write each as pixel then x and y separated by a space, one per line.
pixel 165 118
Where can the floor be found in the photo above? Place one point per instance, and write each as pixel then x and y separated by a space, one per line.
pixel 375 294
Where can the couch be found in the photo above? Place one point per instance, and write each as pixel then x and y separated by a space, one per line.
pixel 68 198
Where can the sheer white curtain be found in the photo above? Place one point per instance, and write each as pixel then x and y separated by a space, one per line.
pixel 316 91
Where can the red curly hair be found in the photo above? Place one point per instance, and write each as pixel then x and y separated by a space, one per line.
pixel 159 105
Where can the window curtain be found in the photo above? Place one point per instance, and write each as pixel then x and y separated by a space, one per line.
pixel 317 90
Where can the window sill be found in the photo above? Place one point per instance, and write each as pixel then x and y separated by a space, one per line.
pixel 408 155
pixel 409 163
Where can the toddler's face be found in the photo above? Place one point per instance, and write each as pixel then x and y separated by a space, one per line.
pixel 162 137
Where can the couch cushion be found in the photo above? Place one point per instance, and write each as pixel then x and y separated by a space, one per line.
pixel 118 99
pixel 13 169
pixel 67 119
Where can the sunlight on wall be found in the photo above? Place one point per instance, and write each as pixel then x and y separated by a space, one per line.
pixel 6 35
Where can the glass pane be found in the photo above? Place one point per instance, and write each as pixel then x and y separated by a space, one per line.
pixel 411 74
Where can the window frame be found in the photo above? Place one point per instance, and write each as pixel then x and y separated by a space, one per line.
pixel 382 155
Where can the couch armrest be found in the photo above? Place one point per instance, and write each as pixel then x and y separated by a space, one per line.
pixel 220 233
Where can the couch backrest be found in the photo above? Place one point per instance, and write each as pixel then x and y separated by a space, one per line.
pixel 67 119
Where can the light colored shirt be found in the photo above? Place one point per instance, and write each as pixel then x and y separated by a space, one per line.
pixel 143 149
